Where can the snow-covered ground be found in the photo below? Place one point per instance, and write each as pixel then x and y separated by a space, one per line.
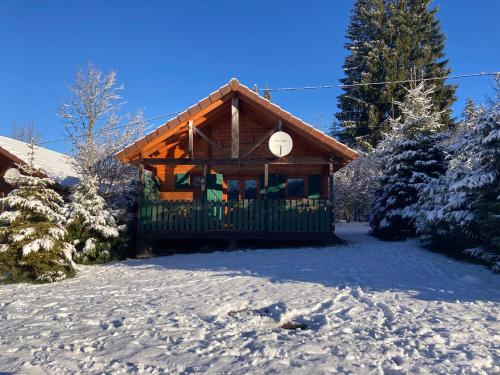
pixel 367 307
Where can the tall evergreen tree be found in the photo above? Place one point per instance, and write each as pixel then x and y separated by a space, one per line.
pixel 390 40
pixel 413 157
pixel 461 210
pixel 361 109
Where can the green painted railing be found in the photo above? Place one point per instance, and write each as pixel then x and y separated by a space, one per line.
pixel 304 215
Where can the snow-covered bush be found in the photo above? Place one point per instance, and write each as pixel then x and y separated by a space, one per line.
pixel 412 158
pixel 32 235
pixel 354 186
pixel 91 225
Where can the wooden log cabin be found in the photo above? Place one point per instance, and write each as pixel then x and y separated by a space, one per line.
pixel 209 173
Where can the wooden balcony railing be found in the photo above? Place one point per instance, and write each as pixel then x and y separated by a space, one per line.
pixel 300 215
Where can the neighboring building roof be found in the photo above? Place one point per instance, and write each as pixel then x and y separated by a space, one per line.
pixel 132 151
pixel 53 164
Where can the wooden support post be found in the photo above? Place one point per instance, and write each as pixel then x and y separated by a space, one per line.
pixel 190 126
pixel 203 195
pixel 331 197
pixel 266 180
pixel 266 196
pixel 280 125
pixel 235 127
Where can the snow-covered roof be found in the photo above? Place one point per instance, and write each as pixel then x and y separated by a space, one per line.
pixel 53 164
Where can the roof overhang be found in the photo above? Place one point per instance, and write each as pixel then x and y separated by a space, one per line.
pixel 217 99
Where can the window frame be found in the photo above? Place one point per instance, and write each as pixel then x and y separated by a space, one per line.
pixel 256 193
pixel 195 177
pixel 304 188
pixel 228 195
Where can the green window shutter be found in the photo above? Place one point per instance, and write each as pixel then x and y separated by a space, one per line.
pixel 182 181
pixel 214 187
pixel 314 187
pixel 151 187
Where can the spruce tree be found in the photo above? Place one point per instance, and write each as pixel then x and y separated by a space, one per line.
pixel 413 157
pixel 446 221
pixel 32 235
pixel 91 224
pixel 389 41
pixel 362 108
pixel 482 185
pixel 461 211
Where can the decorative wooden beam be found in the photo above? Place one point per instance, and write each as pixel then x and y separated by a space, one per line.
pixel 206 138
pixel 262 140
pixel 266 179
pixel 239 161
pixel 190 127
pixel 331 195
pixel 266 195
pixel 235 127
pixel 150 147
pixel 181 132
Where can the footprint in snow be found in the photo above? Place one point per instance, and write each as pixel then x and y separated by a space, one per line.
pixel 117 323
pixel 278 315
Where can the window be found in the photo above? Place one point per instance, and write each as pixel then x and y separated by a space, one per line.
pixel 182 181
pixel 250 189
pixel 233 189
pixel 196 181
pixel 295 187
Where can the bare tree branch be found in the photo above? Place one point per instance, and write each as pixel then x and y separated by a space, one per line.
pixel 27 133
pixel 97 130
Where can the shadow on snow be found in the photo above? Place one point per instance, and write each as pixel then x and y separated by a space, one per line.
pixel 365 262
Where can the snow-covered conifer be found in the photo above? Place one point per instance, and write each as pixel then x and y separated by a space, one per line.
pixel 412 157
pixel 32 235
pixel 91 224
pixel 482 185
pixel 446 219
pixel 464 211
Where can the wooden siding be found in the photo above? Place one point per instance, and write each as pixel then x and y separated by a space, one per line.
pixel 253 126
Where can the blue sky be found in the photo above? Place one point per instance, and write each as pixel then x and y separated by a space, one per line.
pixel 171 54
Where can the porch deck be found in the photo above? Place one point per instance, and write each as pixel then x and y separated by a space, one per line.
pixel 252 219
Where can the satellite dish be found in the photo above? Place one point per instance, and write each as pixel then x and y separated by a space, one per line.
pixel 11 176
pixel 280 144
